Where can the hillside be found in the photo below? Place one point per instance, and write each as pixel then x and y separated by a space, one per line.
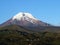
pixel 17 35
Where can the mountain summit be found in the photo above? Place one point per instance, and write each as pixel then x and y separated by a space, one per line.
pixel 23 15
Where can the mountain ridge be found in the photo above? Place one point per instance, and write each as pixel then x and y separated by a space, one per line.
pixel 27 21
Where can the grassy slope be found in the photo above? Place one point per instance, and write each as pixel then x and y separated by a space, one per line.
pixel 16 35
pixel 15 27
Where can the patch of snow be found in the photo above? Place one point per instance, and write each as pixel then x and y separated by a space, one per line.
pixel 20 15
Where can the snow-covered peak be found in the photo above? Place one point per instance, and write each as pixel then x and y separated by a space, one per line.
pixel 21 15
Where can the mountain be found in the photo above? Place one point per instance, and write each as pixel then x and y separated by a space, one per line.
pixel 24 19
pixel 27 21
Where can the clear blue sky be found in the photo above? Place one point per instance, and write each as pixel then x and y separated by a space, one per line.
pixel 44 10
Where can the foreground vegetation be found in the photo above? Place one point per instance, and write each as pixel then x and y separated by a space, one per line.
pixel 15 37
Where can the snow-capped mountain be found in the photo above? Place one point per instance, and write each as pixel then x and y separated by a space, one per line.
pixel 24 17
pixel 26 20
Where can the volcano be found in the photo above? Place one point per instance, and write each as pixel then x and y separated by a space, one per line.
pixel 27 21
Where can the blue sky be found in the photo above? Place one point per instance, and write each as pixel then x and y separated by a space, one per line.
pixel 44 10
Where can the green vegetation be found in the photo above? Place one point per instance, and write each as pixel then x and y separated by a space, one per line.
pixel 17 37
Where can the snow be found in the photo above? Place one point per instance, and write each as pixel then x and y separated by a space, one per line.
pixel 21 15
